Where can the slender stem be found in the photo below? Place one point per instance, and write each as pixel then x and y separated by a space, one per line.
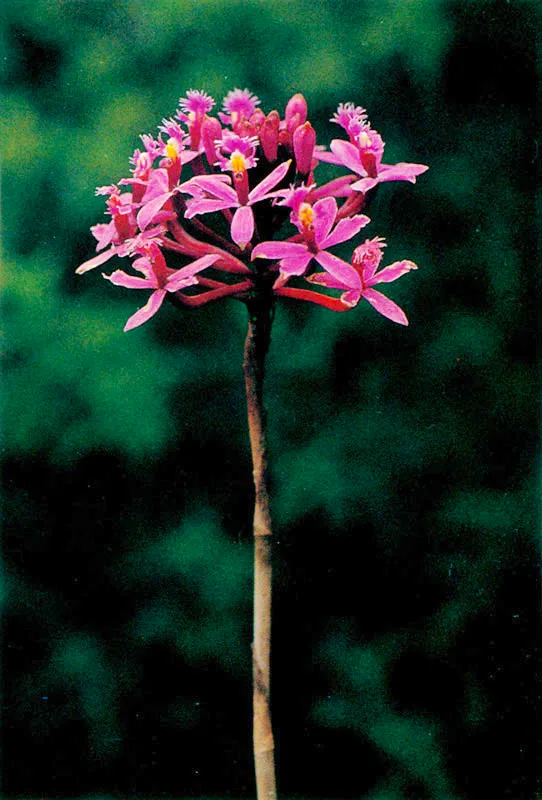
pixel 256 346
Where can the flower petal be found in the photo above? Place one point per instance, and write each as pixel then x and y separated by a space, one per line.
pixel 325 279
pixel 148 212
pixel 204 205
pixel 295 265
pixel 365 184
pixel 325 212
pixel 186 275
pixel 344 273
pixel 149 310
pixel 348 155
pixel 401 172
pixel 279 250
pixel 101 258
pixel 351 298
pixel 345 229
pixel 120 278
pixel 213 185
pixel 242 226
pixel 269 182
pixel 326 156
pixel 158 184
pixel 391 273
pixel 385 306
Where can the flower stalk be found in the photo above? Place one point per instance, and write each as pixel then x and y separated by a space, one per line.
pixel 256 347
pixel 255 177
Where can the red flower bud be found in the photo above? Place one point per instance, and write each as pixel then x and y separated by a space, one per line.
pixel 304 140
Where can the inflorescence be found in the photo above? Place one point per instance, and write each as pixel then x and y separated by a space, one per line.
pixel 250 215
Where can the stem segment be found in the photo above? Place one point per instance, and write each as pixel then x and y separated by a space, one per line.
pixel 256 346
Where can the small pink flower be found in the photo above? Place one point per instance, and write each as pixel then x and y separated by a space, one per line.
pixel 317 227
pixel 238 104
pixel 363 153
pixel 350 117
pixel 159 278
pixel 366 260
pixel 213 193
pixel 193 109
pixel 236 153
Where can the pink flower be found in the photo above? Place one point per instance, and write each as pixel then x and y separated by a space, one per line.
pixel 213 193
pixel 159 278
pixel 239 104
pixel 193 109
pixel 363 153
pixel 366 260
pixel 317 227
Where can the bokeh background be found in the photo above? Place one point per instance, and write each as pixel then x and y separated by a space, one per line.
pixel 403 460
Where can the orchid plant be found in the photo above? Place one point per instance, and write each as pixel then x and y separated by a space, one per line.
pixel 250 222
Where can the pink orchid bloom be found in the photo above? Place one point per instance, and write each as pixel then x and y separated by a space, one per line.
pixel 193 110
pixel 159 278
pixel 363 153
pixel 317 226
pixel 214 193
pixel 366 260
pixel 239 105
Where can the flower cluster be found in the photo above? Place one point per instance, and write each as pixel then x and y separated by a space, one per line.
pixel 251 176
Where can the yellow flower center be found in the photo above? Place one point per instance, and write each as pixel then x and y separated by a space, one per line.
pixel 237 161
pixel 364 139
pixel 172 149
pixel 306 215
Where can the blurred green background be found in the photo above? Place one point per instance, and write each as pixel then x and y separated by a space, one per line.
pixel 402 460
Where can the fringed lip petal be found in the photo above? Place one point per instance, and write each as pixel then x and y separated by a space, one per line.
pixel 149 310
pixel 385 306
pixel 345 229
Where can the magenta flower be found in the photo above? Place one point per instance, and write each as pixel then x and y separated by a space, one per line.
pixel 363 153
pixel 366 260
pixel 214 193
pixel 193 110
pixel 157 215
pixel 239 104
pixel 316 225
pixel 159 278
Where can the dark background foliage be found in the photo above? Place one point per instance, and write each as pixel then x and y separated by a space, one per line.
pixel 406 600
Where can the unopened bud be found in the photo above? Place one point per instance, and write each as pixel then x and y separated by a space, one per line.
pixel 211 131
pixel 269 135
pixel 304 140
pixel 296 105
